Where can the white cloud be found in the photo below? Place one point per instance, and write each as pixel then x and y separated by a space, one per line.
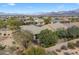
pixel 8 4
pixel 11 4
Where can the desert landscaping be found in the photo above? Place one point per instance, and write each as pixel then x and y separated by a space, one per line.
pixel 30 36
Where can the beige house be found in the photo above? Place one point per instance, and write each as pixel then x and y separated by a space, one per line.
pixel 39 21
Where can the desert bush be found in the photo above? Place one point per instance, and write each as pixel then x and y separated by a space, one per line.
pixel 62 33
pixel 76 52
pixel 58 50
pixel 34 51
pixel 72 53
pixel 47 21
pixel 64 47
pixel 23 38
pixel 13 23
pixel 14 42
pixel 48 53
pixel 2 24
pixel 73 32
pixel 67 53
pixel 13 48
pixel 71 45
pixel 2 47
pixel 54 53
pixel 77 43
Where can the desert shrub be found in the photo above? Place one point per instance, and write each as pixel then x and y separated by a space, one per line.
pixel 72 53
pixel 48 53
pixel 77 43
pixel 76 52
pixel 64 47
pixel 67 53
pixel 62 33
pixel 2 47
pixel 2 24
pixel 71 45
pixel 69 34
pixel 13 23
pixel 73 32
pixel 47 21
pixel 34 51
pixel 54 53
pixel 13 48
pixel 23 38
pixel 20 51
pixel 58 50
pixel 14 42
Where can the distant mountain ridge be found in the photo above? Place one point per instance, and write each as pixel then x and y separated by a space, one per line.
pixel 59 13
pixel 63 13
pixel 7 14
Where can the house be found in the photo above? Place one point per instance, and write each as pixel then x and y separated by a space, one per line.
pixel 36 29
pixel 39 21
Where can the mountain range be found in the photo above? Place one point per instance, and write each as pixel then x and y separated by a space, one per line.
pixel 63 13
pixel 59 13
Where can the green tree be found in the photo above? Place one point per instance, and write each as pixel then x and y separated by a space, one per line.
pixel 14 23
pixel 73 32
pixel 47 38
pixel 2 24
pixel 62 33
pixel 70 33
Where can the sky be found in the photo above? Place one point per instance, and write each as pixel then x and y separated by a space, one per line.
pixel 32 8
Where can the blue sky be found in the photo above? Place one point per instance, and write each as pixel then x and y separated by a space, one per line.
pixel 30 8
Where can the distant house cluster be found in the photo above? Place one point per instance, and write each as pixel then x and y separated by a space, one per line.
pixel 34 23
pixel 39 20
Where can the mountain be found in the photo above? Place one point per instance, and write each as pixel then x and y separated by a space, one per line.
pixel 9 14
pixel 59 13
pixel 62 13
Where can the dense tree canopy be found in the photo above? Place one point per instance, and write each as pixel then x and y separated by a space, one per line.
pixel 13 23
pixel 70 33
pixel 47 38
